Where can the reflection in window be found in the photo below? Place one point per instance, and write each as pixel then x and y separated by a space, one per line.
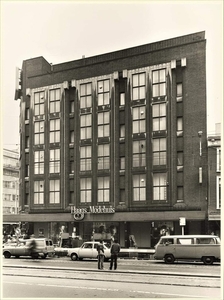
pixel 86 95
pixel 138 119
pixel 139 153
pixel 138 91
pixel 139 187
pixel 54 191
pixel 159 117
pixel 103 91
pixel 159 83
pixel 159 186
pixel 85 190
pixel 103 189
pixel 104 157
pixel 86 158
pixel 159 151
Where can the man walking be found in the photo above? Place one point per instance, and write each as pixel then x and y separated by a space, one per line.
pixel 100 250
pixel 115 249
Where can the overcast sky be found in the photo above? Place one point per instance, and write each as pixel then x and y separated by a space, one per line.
pixel 62 31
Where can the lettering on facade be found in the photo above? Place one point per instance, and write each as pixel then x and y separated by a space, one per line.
pixel 79 213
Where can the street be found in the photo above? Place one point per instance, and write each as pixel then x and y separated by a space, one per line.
pixel 63 278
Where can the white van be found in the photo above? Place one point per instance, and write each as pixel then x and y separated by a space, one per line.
pixel 204 248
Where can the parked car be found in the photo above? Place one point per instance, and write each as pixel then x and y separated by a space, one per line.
pixel 44 248
pixel 88 250
pixel 205 248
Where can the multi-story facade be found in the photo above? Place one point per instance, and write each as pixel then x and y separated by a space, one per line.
pixel 10 193
pixel 214 181
pixel 115 144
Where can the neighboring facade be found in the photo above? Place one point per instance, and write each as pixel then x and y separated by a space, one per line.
pixel 214 182
pixel 115 144
pixel 10 193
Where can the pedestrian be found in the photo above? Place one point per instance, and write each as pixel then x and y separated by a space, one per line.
pixel 33 250
pixel 115 249
pixel 100 250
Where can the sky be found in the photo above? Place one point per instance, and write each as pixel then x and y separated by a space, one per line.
pixel 63 31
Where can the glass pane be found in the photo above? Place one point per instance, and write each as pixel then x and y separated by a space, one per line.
pixel 179 124
pixel 135 93
pixel 163 193
pixel 135 194
pixel 82 90
pixel 142 126
pixel 162 158
pixel 100 86
pixel 82 133
pixel 100 99
pixel 135 127
pixel 57 94
pixel 155 110
pixel 88 183
pixel 142 92
pixel 41 109
pixel 106 99
pixel 82 120
pixel 179 89
pixel 162 144
pixel 163 123
pixel 89 101
pixel 142 79
pixel 100 118
pixel 106 150
pixel 122 131
pixel 135 80
pixel 122 99
pixel 57 124
pixel 162 109
pixel 106 130
pixel 162 75
pixel 155 124
pixel 155 76
pixel 156 159
pixel 162 87
pixel 106 85
pixel 142 194
pixel 135 180
pixel 88 88
pixel 135 112
pixel 106 117
pixel 156 193
pixel 156 179
pixel 41 141
pixel 155 90
pixel 57 106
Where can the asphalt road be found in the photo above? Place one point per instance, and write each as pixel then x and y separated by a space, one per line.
pixel 61 277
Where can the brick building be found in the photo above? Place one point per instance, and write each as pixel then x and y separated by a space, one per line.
pixel 115 144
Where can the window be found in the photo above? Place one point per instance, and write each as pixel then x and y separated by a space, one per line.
pixel 122 99
pixel 159 117
pixel 54 190
pixel 139 153
pixel 103 189
pixel 138 119
pixel 72 136
pixel 159 151
pixel 27 114
pixel 86 126
pixel 218 192
pixel 54 164
pixel 103 124
pixel 86 158
pixel 159 186
pixel 185 241
pixel 104 157
pixel 39 162
pixel 180 194
pixel 85 190
pixel 55 131
pixel 179 92
pixel 103 89
pixel 179 126
pixel 139 187
pixel 39 104
pixel 27 142
pixel 122 131
pixel 39 133
pixel 54 100
pixel 218 160
pixel 159 83
pixel 138 90
pixel 205 241
pixel 72 107
pixel 39 192
pixel 86 95
pixel 122 163
pixel 180 160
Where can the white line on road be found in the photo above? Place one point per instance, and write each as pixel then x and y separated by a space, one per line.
pixel 105 289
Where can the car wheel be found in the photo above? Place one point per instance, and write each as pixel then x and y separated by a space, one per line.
pixel 208 260
pixel 74 256
pixel 7 254
pixel 169 259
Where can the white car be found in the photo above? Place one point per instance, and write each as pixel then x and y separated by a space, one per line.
pixel 88 250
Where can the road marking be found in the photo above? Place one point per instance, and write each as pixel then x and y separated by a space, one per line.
pixel 106 289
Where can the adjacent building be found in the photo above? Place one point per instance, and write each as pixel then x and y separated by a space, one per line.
pixel 115 145
pixel 214 181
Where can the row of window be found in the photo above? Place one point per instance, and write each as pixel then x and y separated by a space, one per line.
pixel 139 189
